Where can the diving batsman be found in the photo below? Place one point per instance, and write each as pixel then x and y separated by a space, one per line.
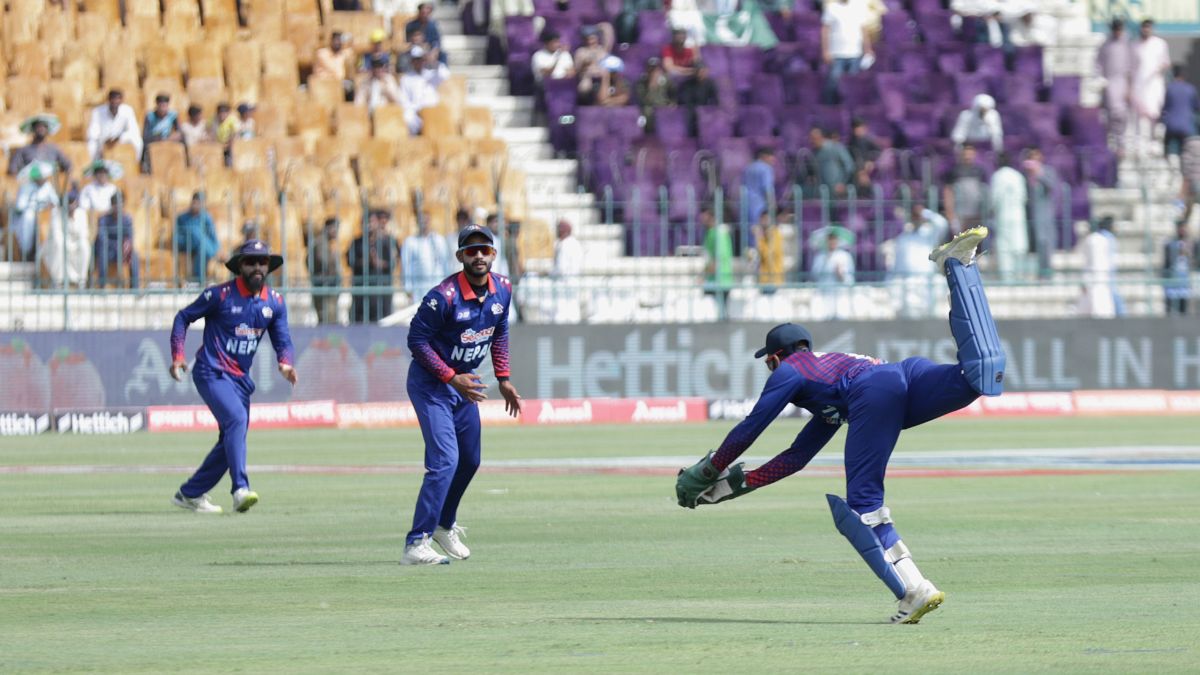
pixel 877 400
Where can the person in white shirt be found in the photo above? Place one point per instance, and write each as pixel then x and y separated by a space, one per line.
pixel 1151 62
pixel 552 61
pixel 979 125
pixel 1097 301
pixel 844 42
pixel 34 195
pixel 912 275
pixel 68 255
pixel 433 71
pixel 424 259
pixel 1009 200
pixel 416 94
pixel 378 87
pixel 568 267
pixel 112 123
pixel 833 271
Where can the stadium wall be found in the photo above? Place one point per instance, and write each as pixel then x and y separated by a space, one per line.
pixel 117 381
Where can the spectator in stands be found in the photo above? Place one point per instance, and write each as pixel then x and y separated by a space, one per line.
pixel 979 124
pixel 508 242
pixel 844 43
pixel 1151 62
pixel 424 259
pixel 372 259
pixel 1180 107
pixel 162 123
pixel 196 237
pixel 67 253
pixel 758 190
pixel 194 130
pixel 1097 301
pixel 1105 226
pixel 247 127
pixel 834 165
pixel 864 150
pixel 416 94
pixel 568 252
pixel 911 274
pixel 613 90
pixel 333 62
pixel 427 25
pixel 994 31
pixel 114 243
pixel 95 199
pixel 225 124
pixel 655 90
pixel 379 87
pixel 1189 164
pixel 552 61
pixel 34 195
pixel 432 71
pixel 718 259
pixel 1010 237
pixel 325 270
pixel 1042 187
pixel 678 59
pixel 769 241
pixel 41 127
pixel 112 123
pixel 1181 256
pixel 1032 29
pixel 376 51
pixel 587 64
pixel 964 191
pixel 833 272
pixel 1114 63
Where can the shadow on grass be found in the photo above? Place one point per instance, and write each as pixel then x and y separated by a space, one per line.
pixel 695 619
pixel 299 563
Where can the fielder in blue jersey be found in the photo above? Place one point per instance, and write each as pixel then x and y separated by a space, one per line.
pixel 236 314
pixel 461 320
pixel 877 400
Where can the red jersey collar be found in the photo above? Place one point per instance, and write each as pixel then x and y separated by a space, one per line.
pixel 245 292
pixel 464 286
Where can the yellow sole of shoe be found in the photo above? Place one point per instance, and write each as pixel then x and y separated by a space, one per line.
pixel 249 501
pixel 928 607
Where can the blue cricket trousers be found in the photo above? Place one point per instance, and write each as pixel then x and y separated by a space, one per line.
pixel 228 398
pixel 450 427
pixel 881 402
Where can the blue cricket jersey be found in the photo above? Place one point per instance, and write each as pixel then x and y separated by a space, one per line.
pixel 454 328
pixel 815 381
pixel 234 321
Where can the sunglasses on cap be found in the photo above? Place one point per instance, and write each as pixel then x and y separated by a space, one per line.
pixel 472 250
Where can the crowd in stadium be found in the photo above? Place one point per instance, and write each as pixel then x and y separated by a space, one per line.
pixel 871 127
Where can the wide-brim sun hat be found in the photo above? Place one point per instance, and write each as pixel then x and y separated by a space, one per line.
pixel 254 248
pixel 114 169
pixel 50 120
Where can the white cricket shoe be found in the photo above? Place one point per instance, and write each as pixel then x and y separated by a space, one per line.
pixel 961 247
pixel 918 602
pixel 422 553
pixel 198 504
pixel 451 541
pixel 243 499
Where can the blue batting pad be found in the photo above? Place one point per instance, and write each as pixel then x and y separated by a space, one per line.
pixel 863 538
pixel 979 351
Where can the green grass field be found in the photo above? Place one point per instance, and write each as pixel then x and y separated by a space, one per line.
pixel 592 573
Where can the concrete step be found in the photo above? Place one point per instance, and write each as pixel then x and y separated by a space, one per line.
pixel 513 135
pixel 603 249
pixel 482 72
pixel 461 44
pixel 17 271
pixel 520 154
pixel 487 87
pixel 464 57
pixel 552 167
pixel 549 183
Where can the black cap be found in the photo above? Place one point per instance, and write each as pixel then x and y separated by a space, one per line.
pixel 784 337
pixel 469 230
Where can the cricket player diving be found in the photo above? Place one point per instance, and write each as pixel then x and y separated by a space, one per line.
pixel 877 400
pixel 236 314
pixel 459 322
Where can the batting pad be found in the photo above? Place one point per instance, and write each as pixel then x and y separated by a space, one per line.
pixel 979 351
pixel 862 537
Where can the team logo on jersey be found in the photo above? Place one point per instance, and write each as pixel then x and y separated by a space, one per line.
pixel 432 304
pixel 247 331
pixel 463 315
pixel 267 312
pixel 497 309
pixel 235 309
pixel 470 336
pixel 207 295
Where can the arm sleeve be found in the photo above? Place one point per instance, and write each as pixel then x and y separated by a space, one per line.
pixel 187 316
pixel 774 398
pixel 425 325
pixel 281 336
pixel 500 345
pixel 811 439
pixel 959 134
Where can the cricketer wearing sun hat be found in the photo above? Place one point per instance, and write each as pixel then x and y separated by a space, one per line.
pixel 236 314
pixel 459 322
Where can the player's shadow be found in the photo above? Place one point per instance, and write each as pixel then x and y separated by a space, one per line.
pixel 700 619
pixel 298 563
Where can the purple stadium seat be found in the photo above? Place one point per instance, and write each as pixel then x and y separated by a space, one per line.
pixel 803 88
pixel 987 59
pixel 922 121
pixel 591 124
pixel 521 35
pixel 567 26
pixel 713 123
pixel 1098 165
pixel 898 28
pixel 1028 62
pixel 671 124
pixel 780 26
pixel 969 85
pixel 727 93
pixel 520 74
pixel 787 57
pixel 832 118
pixel 1016 90
pixel 913 63
pixel 1085 125
pixel 653 29
pixel 716 57
pixel 858 89
pixel 935 25
pixel 1064 90
pixel 1043 121
pixel 767 89
pixel 893 93
pixel 755 120
pixel 744 63
pixel 952 63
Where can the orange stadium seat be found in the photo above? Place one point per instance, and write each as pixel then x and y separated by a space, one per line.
pixel 279 91
pixel 476 122
pixel 26 95
pixel 264 18
pixel 353 122
pixel 388 123
pixel 91 34
pixel 204 61
pixel 271 121
pixel 251 154
pixel 118 69
pixel 29 59
pixel 84 72
pixel 110 10
pixel 376 154
pixel 304 34
pixel 309 9
pixel 148 8
pixel 153 86
pixel 166 157
pixel 451 154
pixel 437 121
pixel 359 25
pixel 207 93
pixel 206 157
pixel 163 59
pixel 69 122
pixel 140 31
pixel 512 192
pixel 310 118
pixel 326 93
pixel 279 61
pixel 476 189
pixel 243 62
pixel 125 155
pixel 66 95
pixel 77 152
pixel 218 8
pixel 490 154
pixel 535 239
